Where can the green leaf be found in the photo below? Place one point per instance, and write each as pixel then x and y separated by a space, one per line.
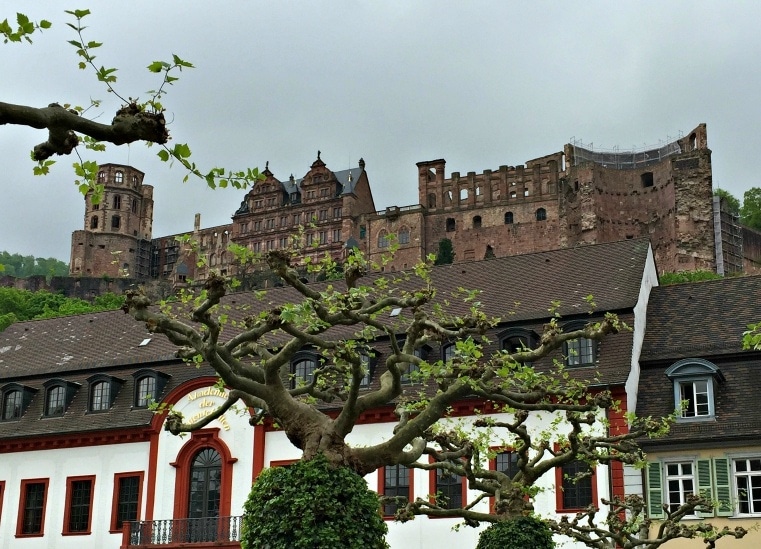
pixel 164 155
pixel 44 24
pixel 157 66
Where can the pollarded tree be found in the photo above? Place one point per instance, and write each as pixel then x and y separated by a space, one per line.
pixel 342 321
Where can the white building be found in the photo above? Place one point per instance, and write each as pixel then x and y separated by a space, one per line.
pixel 81 455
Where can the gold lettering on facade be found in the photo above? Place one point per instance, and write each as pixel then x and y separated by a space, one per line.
pixel 207 405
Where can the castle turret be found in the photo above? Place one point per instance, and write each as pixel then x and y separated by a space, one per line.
pixel 116 237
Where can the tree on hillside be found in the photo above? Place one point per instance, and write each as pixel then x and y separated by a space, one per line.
pixel 25 266
pixel 341 322
pixel 750 212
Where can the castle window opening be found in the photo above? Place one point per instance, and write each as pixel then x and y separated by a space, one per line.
pixel 576 186
pixel 450 224
pixel 119 177
pixel 508 218
pixel 449 197
pixel 101 177
pixel 463 194
pixel 525 192
pixel 477 222
pixel 383 240
pixel 404 235
pixel 693 142
pixel 94 222
pixel 116 222
pixel 478 190
pixel 513 194
pixel 362 231
pixel 117 202
pixel 647 179
pixel 134 206
pixel 431 200
pixel 541 214
pixel 96 206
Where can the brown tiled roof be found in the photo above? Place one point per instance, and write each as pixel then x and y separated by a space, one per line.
pixel 703 320
pixel 74 348
pixel 700 318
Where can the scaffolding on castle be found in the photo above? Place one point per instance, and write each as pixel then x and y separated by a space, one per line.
pixel 623 160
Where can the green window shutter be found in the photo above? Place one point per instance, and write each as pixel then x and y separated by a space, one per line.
pixel 723 487
pixel 654 490
pixel 705 487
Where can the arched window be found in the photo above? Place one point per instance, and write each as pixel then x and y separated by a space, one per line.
pixel 383 239
pixel 119 177
pixel 404 235
pixel 447 352
pixel 100 396
pixel 134 205
pixel 117 202
pixel 55 401
pixel 516 340
pixel 508 218
pixel 146 391
pixel 94 222
pixel 450 224
pixel 581 351
pixel 477 222
pixel 101 177
pixel 204 490
pixel 695 382
pixel 302 369
pixel 12 405
pixel 541 214
pixel 431 200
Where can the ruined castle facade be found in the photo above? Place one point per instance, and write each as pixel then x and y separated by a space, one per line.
pixel 575 197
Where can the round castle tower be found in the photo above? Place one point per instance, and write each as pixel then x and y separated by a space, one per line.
pixel 116 239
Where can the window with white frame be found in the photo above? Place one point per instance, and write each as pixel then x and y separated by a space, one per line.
pixel 695 382
pixel 747 476
pixel 680 483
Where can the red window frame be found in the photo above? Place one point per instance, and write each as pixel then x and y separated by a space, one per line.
pixel 22 504
pixel 559 490
pixel 382 488
pixel 115 501
pixel 68 503
pixel 434 486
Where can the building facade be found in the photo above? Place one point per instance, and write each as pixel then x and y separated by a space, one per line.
pixel 86 461
pixel 574 197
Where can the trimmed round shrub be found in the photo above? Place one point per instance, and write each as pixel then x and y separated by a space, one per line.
pixel 312 505
pixel 517 533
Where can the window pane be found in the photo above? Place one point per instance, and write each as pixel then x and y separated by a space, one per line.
pixel 146 387
pixel 79 506
pixel 12 405
pixel 129 488
pixel 33 506
pixel 396 483
pixel 101 396
pixel 448 490
pixel 55 401
pixel 577 485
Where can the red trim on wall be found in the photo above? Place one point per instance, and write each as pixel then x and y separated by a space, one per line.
pixel 67 506
pixel 115 500
pixel 174 396
pixel 382 488
pixel 2 495
pixel 22 504
pixel 282 462
pixel 618 426
pixel 259 442
pixel 204 438
pixel 153 465
pixel 75 440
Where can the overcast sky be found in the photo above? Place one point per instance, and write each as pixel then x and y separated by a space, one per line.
pixel 479 84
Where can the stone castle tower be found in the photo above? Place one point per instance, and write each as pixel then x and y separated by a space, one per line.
pixel 116 239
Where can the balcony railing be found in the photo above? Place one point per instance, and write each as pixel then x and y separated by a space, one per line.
pixel 217 530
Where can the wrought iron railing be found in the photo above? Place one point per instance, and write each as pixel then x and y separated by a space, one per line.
pixel 174 531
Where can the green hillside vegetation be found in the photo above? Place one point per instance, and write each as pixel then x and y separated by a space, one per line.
pixel 23 266
pixel 17 305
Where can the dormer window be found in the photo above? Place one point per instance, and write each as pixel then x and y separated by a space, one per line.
pixel 302 368
pixel 695 381
pixel 579 352
pixel 516 340
pixel 103 391
pixel 58 396
pixel 15 399
pixel 149 385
